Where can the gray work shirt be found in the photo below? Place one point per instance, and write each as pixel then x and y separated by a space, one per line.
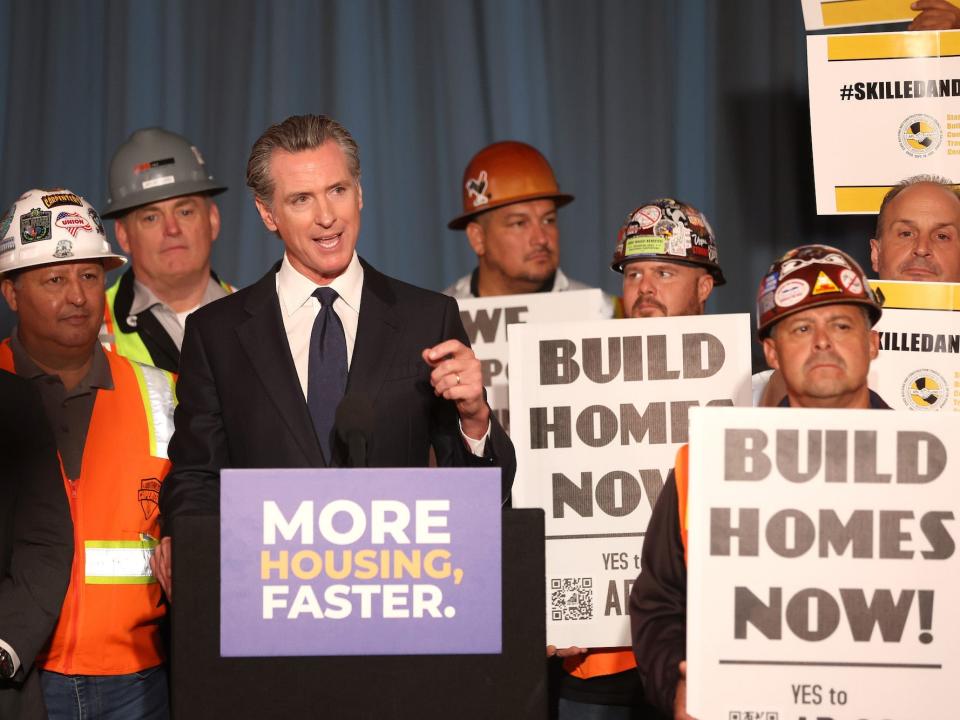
pixel 144 299
pixel 68 411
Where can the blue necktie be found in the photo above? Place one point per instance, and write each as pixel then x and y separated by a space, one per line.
pixel 327 371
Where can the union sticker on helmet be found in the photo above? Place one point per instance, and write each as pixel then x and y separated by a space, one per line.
pixel 73 223
pixel 791 292
pixel 824 285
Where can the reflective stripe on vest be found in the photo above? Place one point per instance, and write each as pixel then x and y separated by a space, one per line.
pixel 113 338
pixel 600 662
pixel 119 562
pixel 159 399
pixel 681 470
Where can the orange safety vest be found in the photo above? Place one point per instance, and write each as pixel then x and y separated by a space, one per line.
pixel 608 662
pixel 681 477
pixel 109 624
pixel 595 663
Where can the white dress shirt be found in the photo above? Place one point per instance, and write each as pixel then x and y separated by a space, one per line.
pixel 299 309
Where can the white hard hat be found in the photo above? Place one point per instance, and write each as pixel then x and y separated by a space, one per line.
pixel 52 226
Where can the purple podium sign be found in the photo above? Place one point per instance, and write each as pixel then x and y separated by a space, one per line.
pixel 360 562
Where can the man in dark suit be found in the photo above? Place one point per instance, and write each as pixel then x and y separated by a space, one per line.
pixel 252 392
pixel 36 545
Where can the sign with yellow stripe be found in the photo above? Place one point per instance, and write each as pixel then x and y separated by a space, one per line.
pixel 883 107
pixel 820 14
pixel 918 295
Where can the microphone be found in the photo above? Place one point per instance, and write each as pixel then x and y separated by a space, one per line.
pixel 354 423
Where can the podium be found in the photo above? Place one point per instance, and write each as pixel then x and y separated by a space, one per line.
pixel 510 685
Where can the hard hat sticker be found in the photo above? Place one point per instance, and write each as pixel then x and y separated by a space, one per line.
pixel 792 264
pixel 766 302
pixel 769 282
pixel 645 245
pixel 791 293
pixel 55 199
pixel 158 181
pixel 851 281
pixel 477 189
pixel 647 216
pixel 824 285
pixel 6 221
pixel 73 223
pixel 64 249
pixel 143 167
pixel 35 226
pixel 96 220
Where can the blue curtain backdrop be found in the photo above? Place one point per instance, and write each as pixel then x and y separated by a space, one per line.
pixel 629 99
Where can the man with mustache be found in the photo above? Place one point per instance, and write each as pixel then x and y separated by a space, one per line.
pixel 918 232
pixel 815 312
pixel 510 202
pixel 668 256
pixel 112 419
pixel 161 196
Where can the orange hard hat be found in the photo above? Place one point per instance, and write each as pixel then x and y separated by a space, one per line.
pixel 505 173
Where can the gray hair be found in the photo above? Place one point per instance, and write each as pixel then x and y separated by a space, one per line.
pixel 296 134
pixel 910 182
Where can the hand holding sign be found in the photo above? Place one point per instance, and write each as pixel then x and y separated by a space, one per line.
pixel 935 15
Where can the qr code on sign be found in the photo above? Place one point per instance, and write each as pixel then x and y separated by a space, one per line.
pixel 571 598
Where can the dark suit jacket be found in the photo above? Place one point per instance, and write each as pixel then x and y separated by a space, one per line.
pixel 36 540
pixel 241 404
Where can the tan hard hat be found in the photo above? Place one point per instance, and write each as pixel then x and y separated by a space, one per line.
pixel 505 173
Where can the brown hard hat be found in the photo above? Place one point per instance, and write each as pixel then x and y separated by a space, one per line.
pixel 505 173
pixel 669 230
pixel 811 276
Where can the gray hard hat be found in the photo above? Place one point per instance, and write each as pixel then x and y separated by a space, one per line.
pixel 153 165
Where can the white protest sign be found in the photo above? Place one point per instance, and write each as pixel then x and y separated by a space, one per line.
pixel 919 363
pixel 823 574
pixel 883 107
pixel 599 410
pixel 486 321
pixel 820 14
